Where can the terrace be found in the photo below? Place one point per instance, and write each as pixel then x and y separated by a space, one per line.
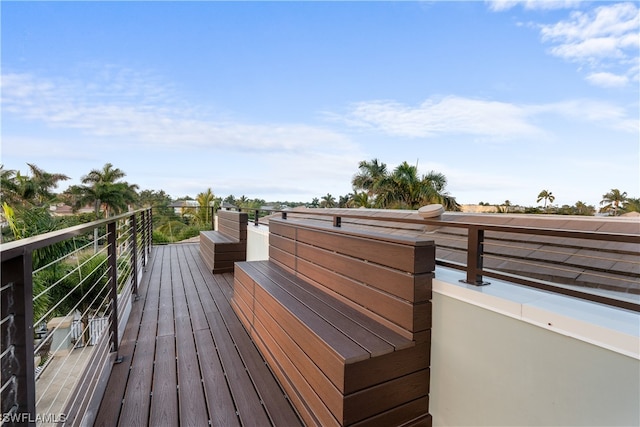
pixel 554 339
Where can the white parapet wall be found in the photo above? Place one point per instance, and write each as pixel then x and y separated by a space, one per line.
pixel 257 242
pixel 505 355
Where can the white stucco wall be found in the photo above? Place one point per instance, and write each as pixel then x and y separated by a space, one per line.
pixel 491 369
pixel 257 243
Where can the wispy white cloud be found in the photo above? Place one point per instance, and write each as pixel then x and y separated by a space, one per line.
pixel 123 104
pixel 606 39
pixel 501 5
pixel 605 79
pixel 488 120
pixel 484 120
pixel 449 115
pixel 599 113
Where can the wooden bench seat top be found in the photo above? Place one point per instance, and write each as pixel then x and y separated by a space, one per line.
pixel 218 237
pixel 349 333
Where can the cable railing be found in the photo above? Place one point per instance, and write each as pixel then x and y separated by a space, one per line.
pixel 61 321
pixel 596 266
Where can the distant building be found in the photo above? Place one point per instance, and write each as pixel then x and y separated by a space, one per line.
pixel 62 209
pixel 180 205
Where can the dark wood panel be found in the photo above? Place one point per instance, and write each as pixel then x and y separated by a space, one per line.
pixel 372 401
pixel 299 316
pixel 392 251
pixel 164 395
pixel 339 319
pixel 111 403
pixel 357 313
pixel 412 414
pixel 219 401
pixel 136 399
pixel 395 310
pixel 322 406
pixel 193 409
pixel 359 376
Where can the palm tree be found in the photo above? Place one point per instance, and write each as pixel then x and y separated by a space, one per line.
pixel 29 190
pixel 632 205
pixel 106 192
pixel 369 177
pixel 404 189
pixel 613 200
pixel 44 182
pixel 345 201
pixel 206 201
pixel 328 201
pixel 8 186
pixel 546 196
pixel 581 208
pixel 360 200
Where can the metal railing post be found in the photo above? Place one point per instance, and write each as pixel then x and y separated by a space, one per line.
pixel 134 257
pixel 18 368
pixel 255 220
pixel 475 249
pixel 150 229
pixel 113 282
pixel 337 221
pixel 213 217
pixel 284 215
pixel 143 236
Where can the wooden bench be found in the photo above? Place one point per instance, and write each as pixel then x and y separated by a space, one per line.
pixel 221 248
pixel 343 319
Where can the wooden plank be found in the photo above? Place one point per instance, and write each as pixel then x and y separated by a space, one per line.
pixel 303 410
pixel 323 406
pixel 270 394
pixel 219 401
pixel 405 254
pixel 165 307
pixel 374 400
pixel 192 406
pixel 359 376
pixel 395 310
pixel 297 315
pixel 339 319
pixel 164 395
pixel 390 280
pixel 135 407
pixel 237 377
pixel 111 403
pixel 415 413
pixel 365 320
pixel 196 312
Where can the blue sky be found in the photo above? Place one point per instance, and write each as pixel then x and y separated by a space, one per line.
pixel 281 100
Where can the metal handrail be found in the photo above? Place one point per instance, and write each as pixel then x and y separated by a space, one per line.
pixel 17 372
pixel 475 272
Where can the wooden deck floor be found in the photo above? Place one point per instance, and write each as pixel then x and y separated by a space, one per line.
pixel 187 360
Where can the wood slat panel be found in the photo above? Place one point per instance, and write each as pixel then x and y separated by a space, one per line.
pixel 339 319
pixel 164 395
pixel 111 403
